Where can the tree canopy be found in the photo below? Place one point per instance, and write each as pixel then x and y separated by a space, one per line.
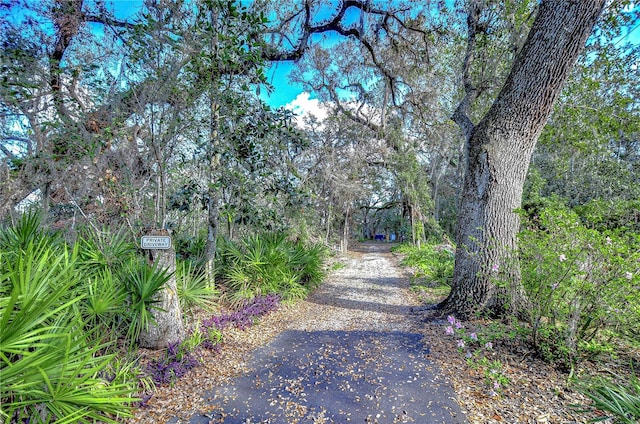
pixel 159 120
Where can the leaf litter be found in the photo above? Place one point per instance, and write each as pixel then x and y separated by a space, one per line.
pixel 354 317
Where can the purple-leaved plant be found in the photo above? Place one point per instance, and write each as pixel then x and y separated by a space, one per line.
pixel 243 318
pixel 172 365
pixel 175 364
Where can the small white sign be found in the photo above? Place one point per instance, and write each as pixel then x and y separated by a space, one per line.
pixel 155 242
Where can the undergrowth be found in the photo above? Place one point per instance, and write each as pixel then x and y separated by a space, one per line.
pixel 582 281
pixel 71 314
pixel 179 358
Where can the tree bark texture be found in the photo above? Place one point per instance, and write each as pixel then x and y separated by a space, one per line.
pixel 168 327
pixel 487 273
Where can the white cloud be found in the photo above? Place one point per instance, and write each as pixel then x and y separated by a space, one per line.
pixel 304 106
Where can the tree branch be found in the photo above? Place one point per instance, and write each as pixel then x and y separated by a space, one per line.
pixel 385 206
pixel 461 115
pixel 335 24
pixel 7 152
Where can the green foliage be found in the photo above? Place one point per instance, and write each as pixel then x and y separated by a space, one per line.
pixel 191 342
pixel 194 289
pixel 603 215
pixel 337 266
pixel 589 147
pixel 119 287
pixel 213 335
pixel 551 345
pixel 141 281
pixel 580 280
pixel 307 259
pixel 51 369
pixel 103 305
pixel 478 346
pixel 190 248
pixel 620 401
pixel 492 371
pixel 269 263
pixel 102 251
pixel 433 262
pixel 27 230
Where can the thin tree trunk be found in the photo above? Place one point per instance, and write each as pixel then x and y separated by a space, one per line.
pixel 344 245
pixel 213 196
pixel 161 202
pixel 328 222
pixel 365 223
pixel 213 207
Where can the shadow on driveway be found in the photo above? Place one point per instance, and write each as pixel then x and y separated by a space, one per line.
pixel 337 377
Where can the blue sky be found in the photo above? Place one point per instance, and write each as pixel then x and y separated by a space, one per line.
pixel 286 92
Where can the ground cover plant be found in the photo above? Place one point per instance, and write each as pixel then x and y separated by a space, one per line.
pixel 475 347
pixel 180 357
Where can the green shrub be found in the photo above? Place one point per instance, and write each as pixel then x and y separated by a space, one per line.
pixel 103 258
pixel 269 263
pixel 609 215
pixel 50 369
pixel 103 305
pixel 581 281
pixel 141 281
pixel 101 251
pixel 194 289
pixel 27 230
pixel 434 263
pixel 551 345
pixel 190 248
pixel 306 260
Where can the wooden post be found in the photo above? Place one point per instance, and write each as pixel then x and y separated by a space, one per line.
pixel 168 327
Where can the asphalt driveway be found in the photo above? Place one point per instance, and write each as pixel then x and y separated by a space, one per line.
pixel 337 377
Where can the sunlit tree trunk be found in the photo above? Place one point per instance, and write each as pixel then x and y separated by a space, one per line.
pixel 213 191
pixel 487 273
pixel 167 327
pixel 344 244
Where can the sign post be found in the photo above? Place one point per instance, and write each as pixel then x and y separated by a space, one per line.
pixel 155 242
pixel 168 327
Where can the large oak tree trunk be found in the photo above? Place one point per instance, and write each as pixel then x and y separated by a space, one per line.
pixel 487 273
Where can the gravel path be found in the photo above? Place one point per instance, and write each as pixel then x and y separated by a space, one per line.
pixel 350 355
pixel 369 293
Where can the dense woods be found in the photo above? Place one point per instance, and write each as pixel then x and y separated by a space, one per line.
pixel 508 132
